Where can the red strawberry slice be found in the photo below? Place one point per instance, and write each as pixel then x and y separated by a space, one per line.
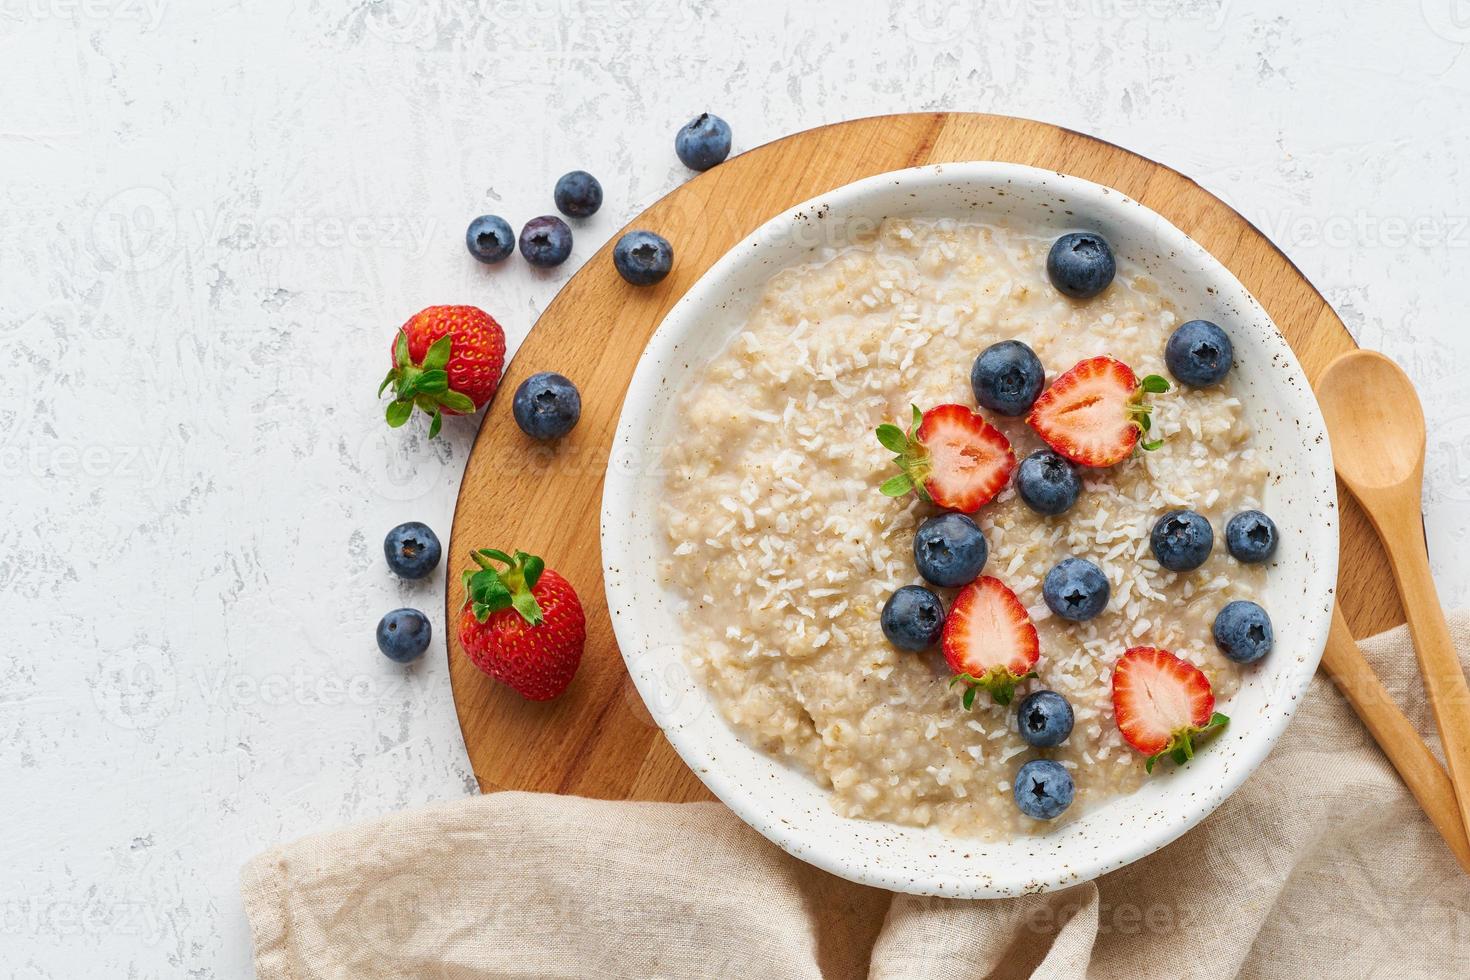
pixel 989 641
pixel 1162 704
pixel 1096 413
pixel 950 456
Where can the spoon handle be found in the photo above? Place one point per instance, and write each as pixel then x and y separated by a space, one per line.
pixel 1401 743
pixel 1444 679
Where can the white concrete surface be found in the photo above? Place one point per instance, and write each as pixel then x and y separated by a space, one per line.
pixel 213 215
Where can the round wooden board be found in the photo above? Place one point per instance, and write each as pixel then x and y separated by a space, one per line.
pixel 597 739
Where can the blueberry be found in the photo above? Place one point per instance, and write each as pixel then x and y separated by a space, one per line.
pixel 1047 483
pixel 1251 537
pixel 703 142
pixel 949 550
pixel 1044 719
pixel 546 241
pixel 490 239
pixel 412 550
pixel 1199 353
pixel 578 194
pixel 643 258
pixel 1080 264
pixel 1181 540
pixel 1043 789
pixel 1243 632
pixel 546 406
pixel 1007 377
pixel 913 618
pixel 1076 589
pixel 403 635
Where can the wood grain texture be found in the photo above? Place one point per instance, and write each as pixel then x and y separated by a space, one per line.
pixel 597 739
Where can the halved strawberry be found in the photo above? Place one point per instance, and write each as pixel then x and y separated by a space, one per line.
pixel 989 641
pixel 1162 704
pixel 950 456
pixel 1095 413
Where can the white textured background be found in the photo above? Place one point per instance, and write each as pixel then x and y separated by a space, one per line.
pixel 213 215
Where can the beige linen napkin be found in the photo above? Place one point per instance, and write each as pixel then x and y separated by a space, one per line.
pixel 1320 865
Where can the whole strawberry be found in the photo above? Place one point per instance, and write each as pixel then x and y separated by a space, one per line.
pixel 522 624
pixel 446 359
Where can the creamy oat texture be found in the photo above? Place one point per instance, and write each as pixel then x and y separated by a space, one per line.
pixel 785 552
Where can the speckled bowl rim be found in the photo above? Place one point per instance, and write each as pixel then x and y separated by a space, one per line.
pixel 784 804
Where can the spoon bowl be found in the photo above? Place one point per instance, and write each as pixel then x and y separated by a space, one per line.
pixel 1374 420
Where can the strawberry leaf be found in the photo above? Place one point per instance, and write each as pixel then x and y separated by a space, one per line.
pixel 392 373
pixel 1155 384
pixel 437 356
pixel 436 423
pixel 457 402
pixel 400 350
pixel 918 419
pixel 892 438
pixel 1151 445
pixel 531 568
pixel 896 486
pixel 398 412
pixel 491 589
pixel 968 700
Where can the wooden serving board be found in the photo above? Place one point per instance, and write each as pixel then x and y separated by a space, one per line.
pixel 597 739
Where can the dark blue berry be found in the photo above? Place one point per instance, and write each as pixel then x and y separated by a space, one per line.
pixel 1080 265
pixel 546 241
pixel 412 550
pixel 403 635
pixel 1044 719
pixel 703 142
pixel 1043 789
pixel 950 550
pixel 913 618
pixel 643 258
pixel 1007 377
pixel 1076 589
pixel 490 239
pixel 1181 540
pixel 1243 632
pixel 578 194
pixel 1047 483
pixel 1251 537
pixel 1199 354
pixel 546 406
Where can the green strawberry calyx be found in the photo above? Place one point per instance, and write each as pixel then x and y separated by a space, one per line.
pixel 909 455
pixel 489 588
pixel 1181 746
pixel 425 384
pixel 1139 408
pixel 999 681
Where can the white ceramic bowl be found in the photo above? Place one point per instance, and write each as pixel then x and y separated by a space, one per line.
pixel 786 805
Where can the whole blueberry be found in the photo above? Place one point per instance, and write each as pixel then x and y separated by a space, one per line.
pixel 703 142
pixel 403 635
pixel 1044 719
pixel 1043 789
pixel 546 406
pixel 950 550
pixel 1007 377
pixel 490 239
pixel 1047 483
pixel 412 550
pixel 1199 353
pixel 1251 537
pixel 643 258
pixel 913 618
pixel 1243 632
pixel 546 241
pixel 1181 540
pixel 577 194
pixel 1076 589
pixel 1081 264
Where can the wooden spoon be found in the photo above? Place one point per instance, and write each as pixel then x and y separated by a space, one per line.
pixel 1395 734
pixel 1376 425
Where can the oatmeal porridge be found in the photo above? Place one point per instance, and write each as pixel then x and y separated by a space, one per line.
pixel 783 551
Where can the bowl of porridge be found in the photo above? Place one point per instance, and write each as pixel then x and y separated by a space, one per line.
pixel 759 542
